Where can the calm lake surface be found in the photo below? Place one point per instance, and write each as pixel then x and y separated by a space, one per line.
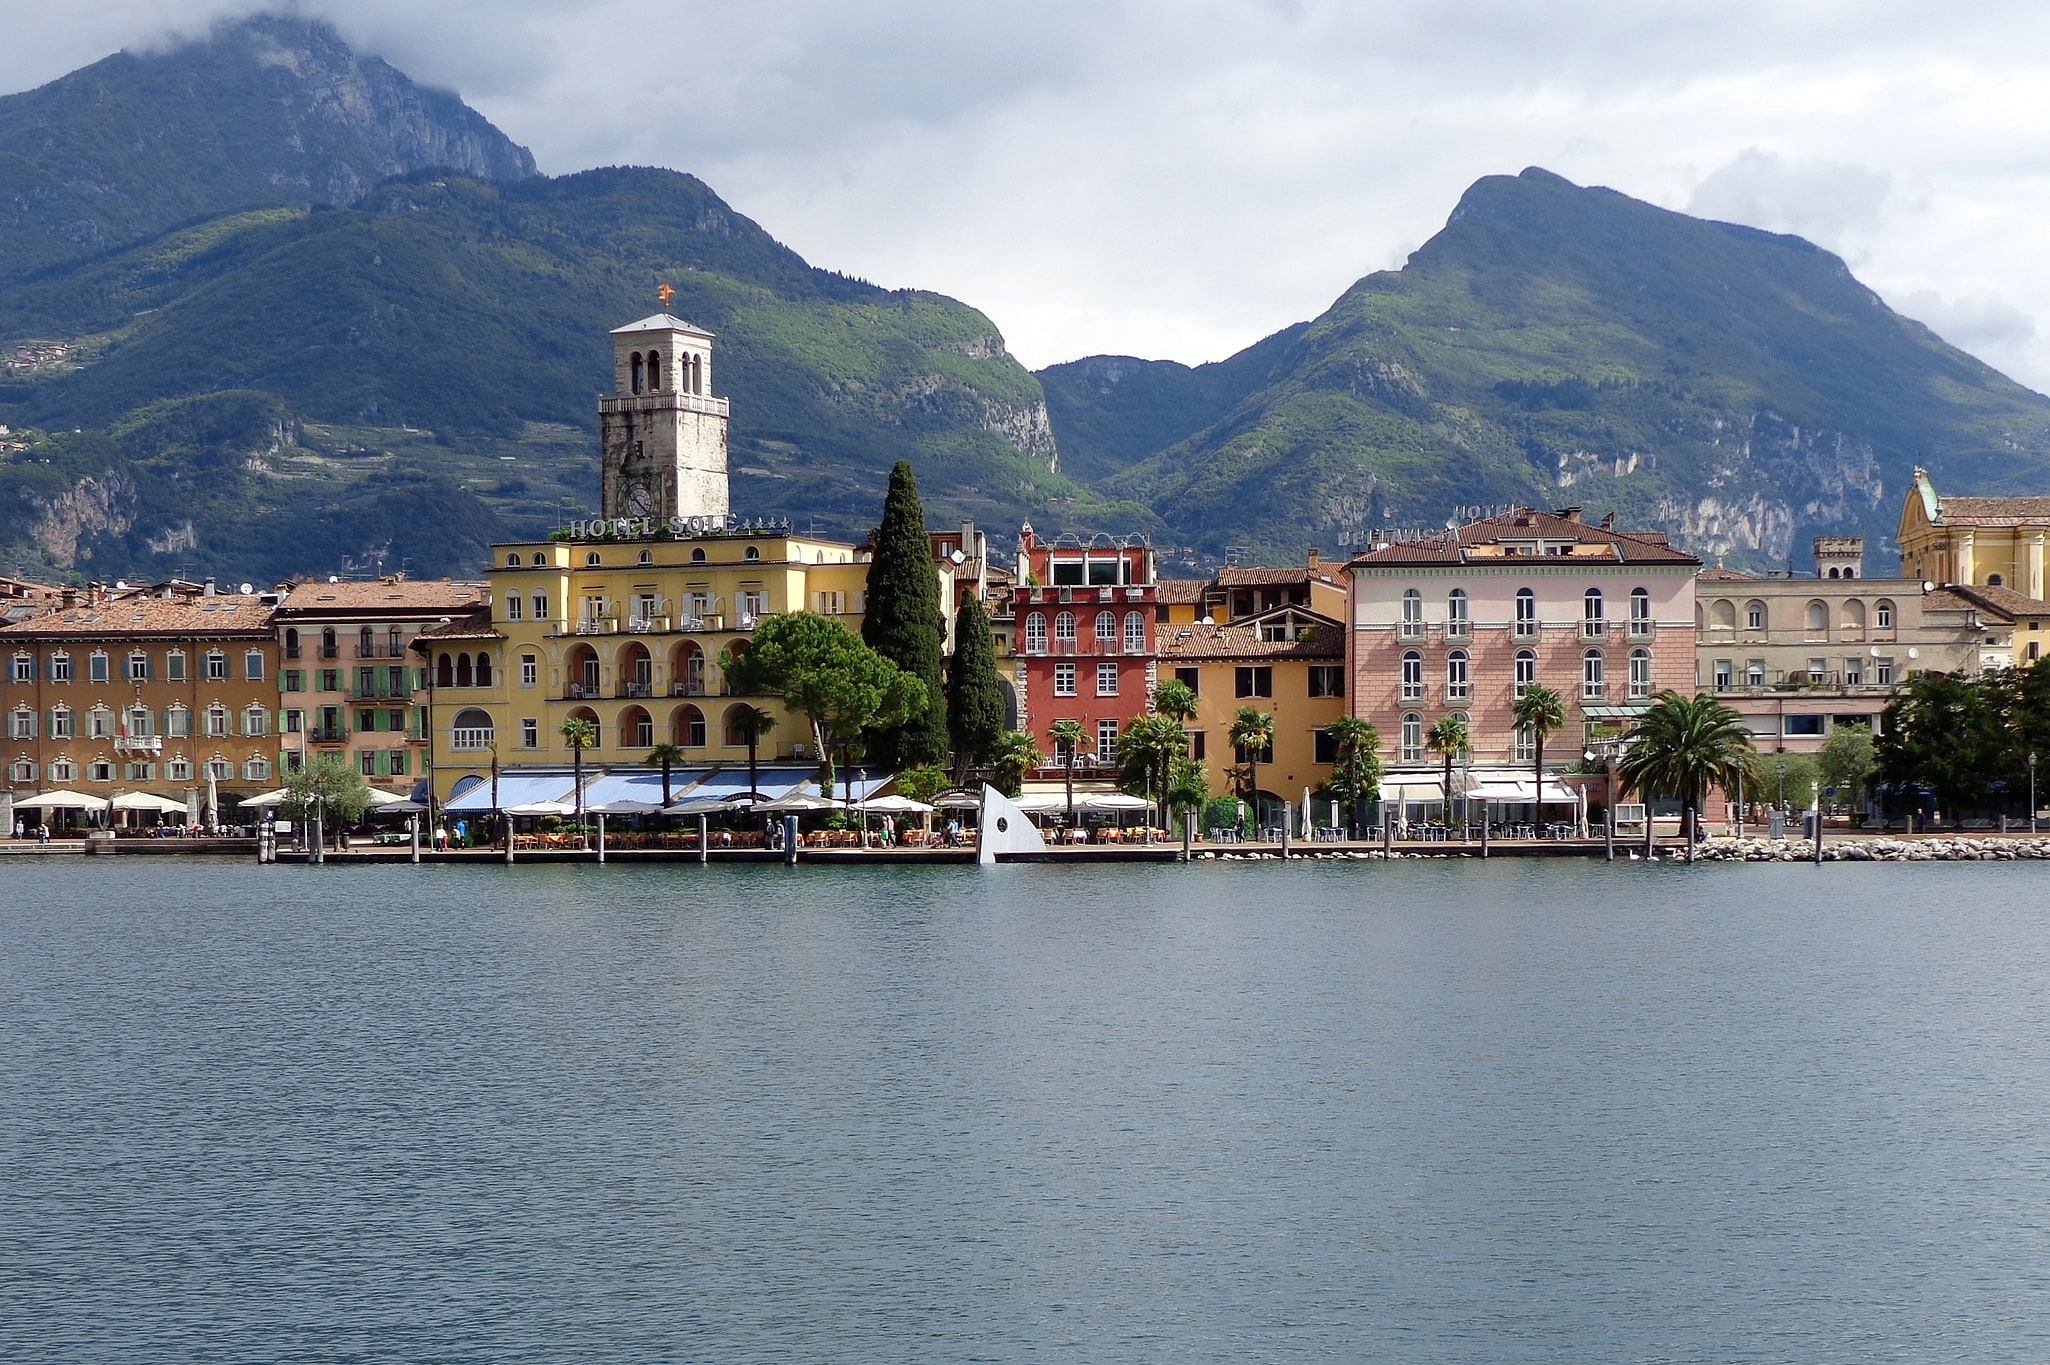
pixel 1515 1111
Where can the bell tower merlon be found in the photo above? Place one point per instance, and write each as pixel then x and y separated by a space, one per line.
pixel 662 433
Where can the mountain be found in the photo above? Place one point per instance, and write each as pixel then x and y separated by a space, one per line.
pixel 448 333
pixel 1559 344
pixel 270 110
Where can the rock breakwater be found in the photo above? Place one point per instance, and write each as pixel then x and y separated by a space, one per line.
pixel 1925 850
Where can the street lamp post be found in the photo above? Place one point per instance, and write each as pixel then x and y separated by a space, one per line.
pixel 2032 791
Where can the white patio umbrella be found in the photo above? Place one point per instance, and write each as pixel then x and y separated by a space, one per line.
pixel 957 801
pixel 710 805
pixel 542 808
pixel 1043 803
pixel 378 799
pixel 1113 801
pixel 146 801
pixel 263 802
pixel 62 800
pixel 625 807
pixel 893 805
pixel 799 800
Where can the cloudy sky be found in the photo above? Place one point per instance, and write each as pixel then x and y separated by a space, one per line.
pixel 1177 178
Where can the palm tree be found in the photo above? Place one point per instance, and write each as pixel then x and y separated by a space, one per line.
pixel 1253 733
pixel 1187 789
pixel 1539 710
pixel 1176 700
pixel 1068 736
pixel 751 723
pixel 1448 736
pixel 668 755
pixel 1013 756
pixel 1681 747
pixel 1149 747
pixel 580 735
pixel 1359 744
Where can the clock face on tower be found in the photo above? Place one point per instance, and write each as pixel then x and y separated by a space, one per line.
pixel 639 502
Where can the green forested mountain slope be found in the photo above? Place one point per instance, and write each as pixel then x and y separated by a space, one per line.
pixel 457 316
pixel 1557 344
pixel 269 110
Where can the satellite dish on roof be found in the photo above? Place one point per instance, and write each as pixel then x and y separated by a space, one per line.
pixel 334 578
pixel 958 557
pixel 248 588
pixel 120 585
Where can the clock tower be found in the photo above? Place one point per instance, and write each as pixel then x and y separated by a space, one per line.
pixel 662 433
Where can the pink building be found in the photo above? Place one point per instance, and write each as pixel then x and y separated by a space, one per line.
pixel 1462 623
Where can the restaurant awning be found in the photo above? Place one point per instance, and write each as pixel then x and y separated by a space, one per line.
pixel 514 789
pixel 1518 790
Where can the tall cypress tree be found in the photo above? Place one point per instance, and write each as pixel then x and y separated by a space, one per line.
pixel 975 702
pixel 903 623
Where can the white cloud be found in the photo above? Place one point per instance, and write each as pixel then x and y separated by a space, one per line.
pixel 1180 177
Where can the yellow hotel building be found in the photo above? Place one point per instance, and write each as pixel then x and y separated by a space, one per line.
pixel 1993 542
pixel 624 633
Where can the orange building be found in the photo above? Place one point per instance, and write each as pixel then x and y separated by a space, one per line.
pixel 107 693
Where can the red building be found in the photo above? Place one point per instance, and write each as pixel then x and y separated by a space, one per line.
pixel 1083 613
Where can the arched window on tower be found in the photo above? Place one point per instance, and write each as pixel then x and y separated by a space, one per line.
pixel 639 371
pixel 654 372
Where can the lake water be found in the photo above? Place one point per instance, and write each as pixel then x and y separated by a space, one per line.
pixel 1514 1111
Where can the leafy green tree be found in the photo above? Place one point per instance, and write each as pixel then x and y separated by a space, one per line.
pixel 2021 697
pixel 903 623
pixel 1252 732
pixel 580 735
pixel 1849 758
pixel 667 756
pixel 1943 733
pixel 1681 746
pixel 1539 710
pixel 924 782
pixel 751 723
pixel 1146 754
pixel 975 700
pixel 827 675
pixel 1448 737
pixel 1356 777
pixel 1068 737
pixel 1013 756
pixel 326 785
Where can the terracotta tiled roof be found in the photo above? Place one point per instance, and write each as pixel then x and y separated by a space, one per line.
pixel 1175 592
pixel 475 625
pixel 1255 578
pixel 1722 575
pixel 1241 639
pixel 1473 542
pixel 404 596
pixel 1956 511
pixel 228 614
pixel 2002 602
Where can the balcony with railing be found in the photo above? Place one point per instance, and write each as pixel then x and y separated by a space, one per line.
pixel 636 689
pixel 647 625
pixel 1594 628
pixel 385 690
pixel 139 744
pixel 327 734
pixel 582 691
pixel 382 650
pixel 597 625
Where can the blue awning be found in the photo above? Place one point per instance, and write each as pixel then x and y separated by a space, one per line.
pixel 638 785
pixel 775 783
pixel 515 789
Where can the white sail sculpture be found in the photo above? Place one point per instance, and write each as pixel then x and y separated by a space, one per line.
pixel 1005 828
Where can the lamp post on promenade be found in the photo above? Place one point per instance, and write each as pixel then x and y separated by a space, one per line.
pixel 2032 791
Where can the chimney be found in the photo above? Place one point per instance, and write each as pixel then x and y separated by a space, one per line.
pixel 1609 522
pixel 69 597
pixel 1313 559
pixel 1568 513
pixel 209 587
